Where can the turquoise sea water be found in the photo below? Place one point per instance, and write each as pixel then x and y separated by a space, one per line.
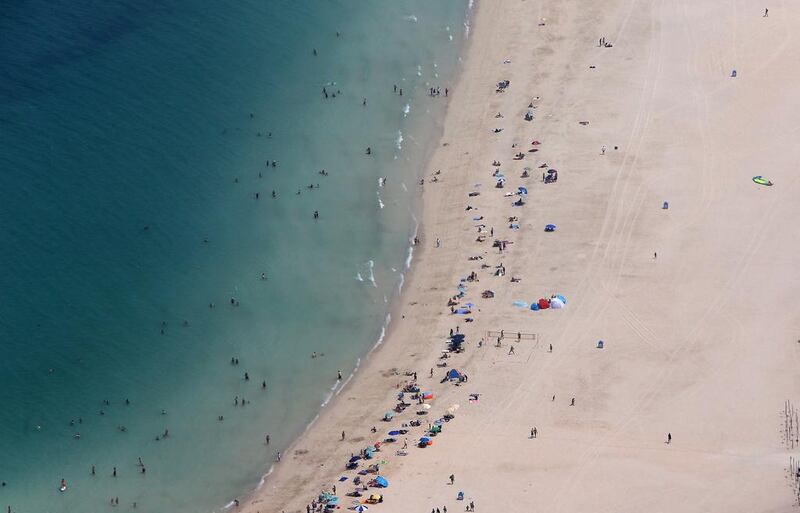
pixel 133 139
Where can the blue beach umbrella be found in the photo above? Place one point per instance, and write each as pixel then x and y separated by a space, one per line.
pixel 382 482
pixel 550 228
pixel 522 190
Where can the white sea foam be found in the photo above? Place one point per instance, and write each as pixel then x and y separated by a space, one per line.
pixel 383 331
pixel 399 141
pixel 470 5
pixel 350 377
pixel 406 110
pixel 411 18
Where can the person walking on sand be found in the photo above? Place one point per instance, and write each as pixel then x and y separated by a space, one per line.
pixel 573 402
pixel 511 350
pixel 266 439
pixel 766 13
pixel 452 478
pixel 342 435
pixel 669 438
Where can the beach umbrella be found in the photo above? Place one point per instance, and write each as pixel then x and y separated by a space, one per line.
pixel 426 406
pixel 452 409
pixel 550 228
pixel 361 508
pixel 381 481
pixel 522 190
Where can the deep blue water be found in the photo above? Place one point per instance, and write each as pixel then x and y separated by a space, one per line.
pixel 133 140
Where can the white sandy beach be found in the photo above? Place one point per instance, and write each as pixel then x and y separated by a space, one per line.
pixel 700 341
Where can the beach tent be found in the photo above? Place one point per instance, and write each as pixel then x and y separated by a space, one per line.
pixel 455 342
pixel 544 304
pixel 389 415
pixel 562 298
pixel 381 482
pixel 522 190
pixel 556 304
pixel 427 395
pixel 534 306
pixel 520 304
pixel 550 228
pixel 454 374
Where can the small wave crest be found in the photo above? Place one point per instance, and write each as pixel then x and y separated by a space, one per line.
pixel 366 272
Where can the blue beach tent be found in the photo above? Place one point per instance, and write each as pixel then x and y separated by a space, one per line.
pixel 453 374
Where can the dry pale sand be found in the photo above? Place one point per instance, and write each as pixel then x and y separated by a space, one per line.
pixel 701 342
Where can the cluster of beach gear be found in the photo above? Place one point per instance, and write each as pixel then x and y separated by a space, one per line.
pixel 366 478
pixel 555 302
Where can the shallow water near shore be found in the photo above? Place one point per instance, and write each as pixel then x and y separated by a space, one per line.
pixel 133 141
